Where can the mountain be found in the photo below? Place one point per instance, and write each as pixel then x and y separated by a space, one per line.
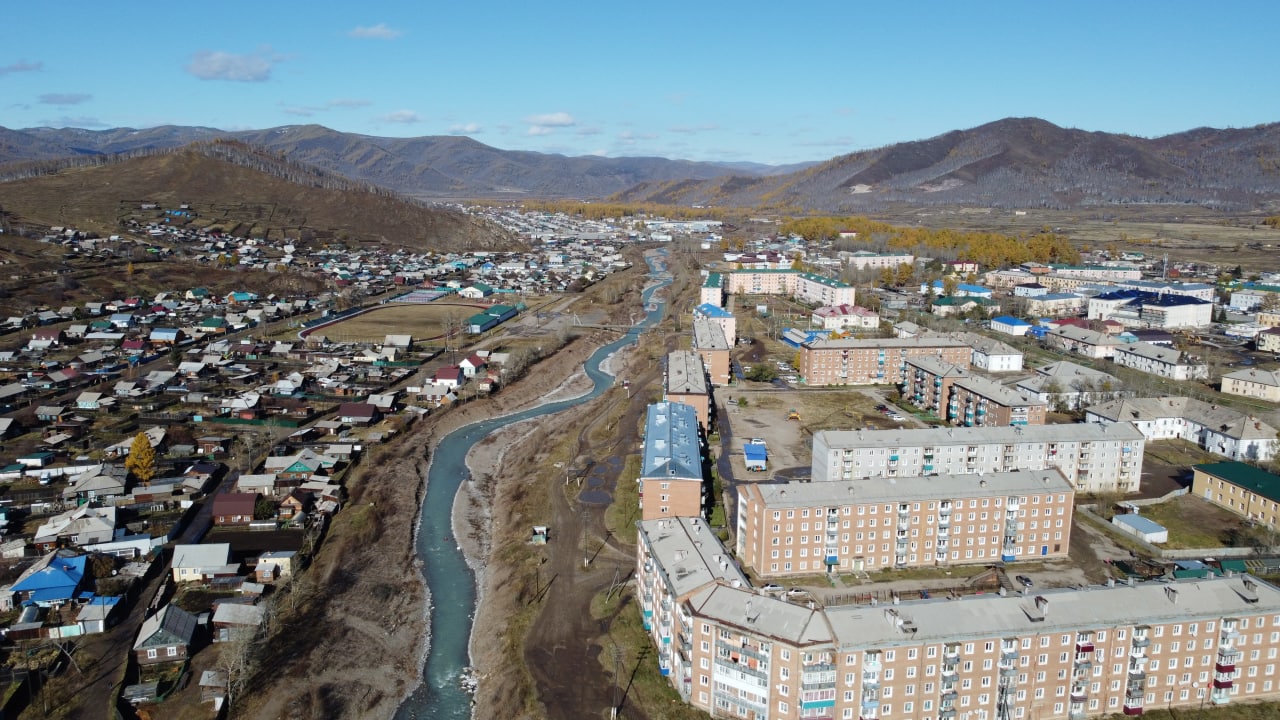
pixel 1017 162
pixel 426 167
pixel 237 188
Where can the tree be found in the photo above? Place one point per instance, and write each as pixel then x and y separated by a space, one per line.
pixel 142 459
pixel 264 509
pixel 949 285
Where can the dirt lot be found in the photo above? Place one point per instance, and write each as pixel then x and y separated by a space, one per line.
pixel 790 442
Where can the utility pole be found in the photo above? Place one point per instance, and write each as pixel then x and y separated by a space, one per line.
pixel 617 681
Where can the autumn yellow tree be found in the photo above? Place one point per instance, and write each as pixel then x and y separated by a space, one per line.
pixel 142 459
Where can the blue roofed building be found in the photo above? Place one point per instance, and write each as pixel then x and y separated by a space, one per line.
pixel 725 319
pixel 757 456
pixel 1010 325
pixel 52 582
pixel 671 476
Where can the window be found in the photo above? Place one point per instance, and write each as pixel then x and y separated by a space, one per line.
pixel 173 652
pixel 151 653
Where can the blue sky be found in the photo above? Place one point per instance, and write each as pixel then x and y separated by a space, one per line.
pixel 766 82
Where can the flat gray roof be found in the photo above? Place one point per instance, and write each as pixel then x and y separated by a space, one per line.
pixel 690 554
pixel 685 374
pixel 1065 610
pixel 851 343
pixel 932 487
pixel 672 447
pixel 778 619
pixel 1000 393
pixel 708 335
pixel 911 437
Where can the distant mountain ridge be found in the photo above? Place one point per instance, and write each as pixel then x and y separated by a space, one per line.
pixel 1010 163
pixel 425 167
pixel 1016 162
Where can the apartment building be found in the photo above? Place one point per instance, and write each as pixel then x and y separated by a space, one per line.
pixel 821 290
pixel 1093 457
pixel 725 319
pixel 991 355
pixel 975 401
pixel 761 282
pixel 1060 654
pixel 1245 490
pixel 1220 430
pixel 874 361
pixel 1080 341
pixel 839 317
pixel 686 383
pixel 880 523
pixel 1253 383
pixel 1070 386
pixel 867 260
pixel 712 290
pixel 927 381
pixel 671 473
pixel 709 342
pixel 674 558
pixel 1097 273
pixel 1165 362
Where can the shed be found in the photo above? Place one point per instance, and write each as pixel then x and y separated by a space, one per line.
pixel 756 457
pixel 1142 528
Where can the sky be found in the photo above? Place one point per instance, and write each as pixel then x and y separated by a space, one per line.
pixel 711 81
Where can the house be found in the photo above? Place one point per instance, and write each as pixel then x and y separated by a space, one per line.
pixel 201 563
pixel 233 508
pixel 50 413
pixel 358 413
pixel 98 615
pixel 1089 343
pixel 1160 361
pixel 960 304
pixel 476 291
pixel 85 525
pixel 93 401
pixel 294 504
pixel 839 317
pixel 275 565
pixel 450 376
pixel 100 483
pixel 53 581
pixel 213 686
pixel 1253 383
pixel 1247 491
pixel 232 619
pixel 1066 386
pixel 165 637
pixel 1220 430
pixel 471 365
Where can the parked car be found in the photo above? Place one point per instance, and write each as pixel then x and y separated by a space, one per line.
pixel 756 441
pixel 1024 580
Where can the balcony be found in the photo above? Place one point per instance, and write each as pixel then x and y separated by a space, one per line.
pixel 1084 646
pixel 1220 697
pixel 1223 683
pixel 1137 672
pixel 1079 694
pixel 1141 641
pixel 870 664
pixel 1133 708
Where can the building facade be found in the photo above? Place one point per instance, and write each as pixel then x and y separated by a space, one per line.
pixel 1093 457
pixel 686 383
pixel 1160 361
pixel 709 342
pixel 1064 654
pixel 1253 383
pixel 1247 491
pixel 875 524
pixel 873 361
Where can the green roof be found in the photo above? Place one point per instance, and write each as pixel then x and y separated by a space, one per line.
pixel 713 281
pixel 830 282
pixel 767 270
pixel 1248 477
pixel 965 300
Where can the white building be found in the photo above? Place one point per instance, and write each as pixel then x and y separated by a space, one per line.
pixel 1219 430
pixel 1092 457
pixel 1160 361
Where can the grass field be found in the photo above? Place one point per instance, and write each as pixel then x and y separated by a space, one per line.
pixel 423 322
pixel 1192 522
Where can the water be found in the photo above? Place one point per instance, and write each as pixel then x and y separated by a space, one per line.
pixel 441 694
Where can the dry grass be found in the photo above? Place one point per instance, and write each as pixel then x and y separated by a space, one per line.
pixel 1192 522
pixel 423 322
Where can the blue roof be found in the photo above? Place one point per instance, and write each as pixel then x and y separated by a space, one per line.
pixel 1139 523
pixel 1009 320
pixel 708 310
pixel 672 447
pixel 57 581
pixel 755 452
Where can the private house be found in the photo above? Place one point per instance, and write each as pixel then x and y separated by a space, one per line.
pixel 1089 343
pixel 274 565
pixel 232 619
pixel 1160 361
pixel 1253 383
pixel 101 483
pixel 450 376
pixel 475 291
pixel 202 563
pixel 1219 430
pixel 471 365
pixel 165 637
pixel 295 504
pixel 53 581
pixel 1247 491
pixel 98 615
pixel 85 525
pixel 358 413
pixel 233 509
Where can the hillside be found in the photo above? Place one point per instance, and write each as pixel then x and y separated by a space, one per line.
pixel 235 188
pixel 426 167
pixel 1016 163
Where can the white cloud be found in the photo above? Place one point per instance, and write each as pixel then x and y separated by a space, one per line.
pixel 587 131
pixel 599 152
pixel 217 65
pixel 407 117
pixel 557 119
pixel 347 103
pixel 466 129
pixel 299 111
pixel 547 123
pixel 375 32
pixel 694 129
pixel 21 66
pixel 626 137
pixel 64 98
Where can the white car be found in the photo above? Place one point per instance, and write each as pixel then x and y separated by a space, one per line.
pixel 756 441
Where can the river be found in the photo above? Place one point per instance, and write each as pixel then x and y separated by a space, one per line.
pixel 450 581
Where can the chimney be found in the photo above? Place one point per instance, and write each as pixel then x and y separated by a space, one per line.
pixel 1171 593
pixel 1042 604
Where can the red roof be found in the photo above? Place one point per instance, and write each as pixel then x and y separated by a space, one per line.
pixel 234 504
